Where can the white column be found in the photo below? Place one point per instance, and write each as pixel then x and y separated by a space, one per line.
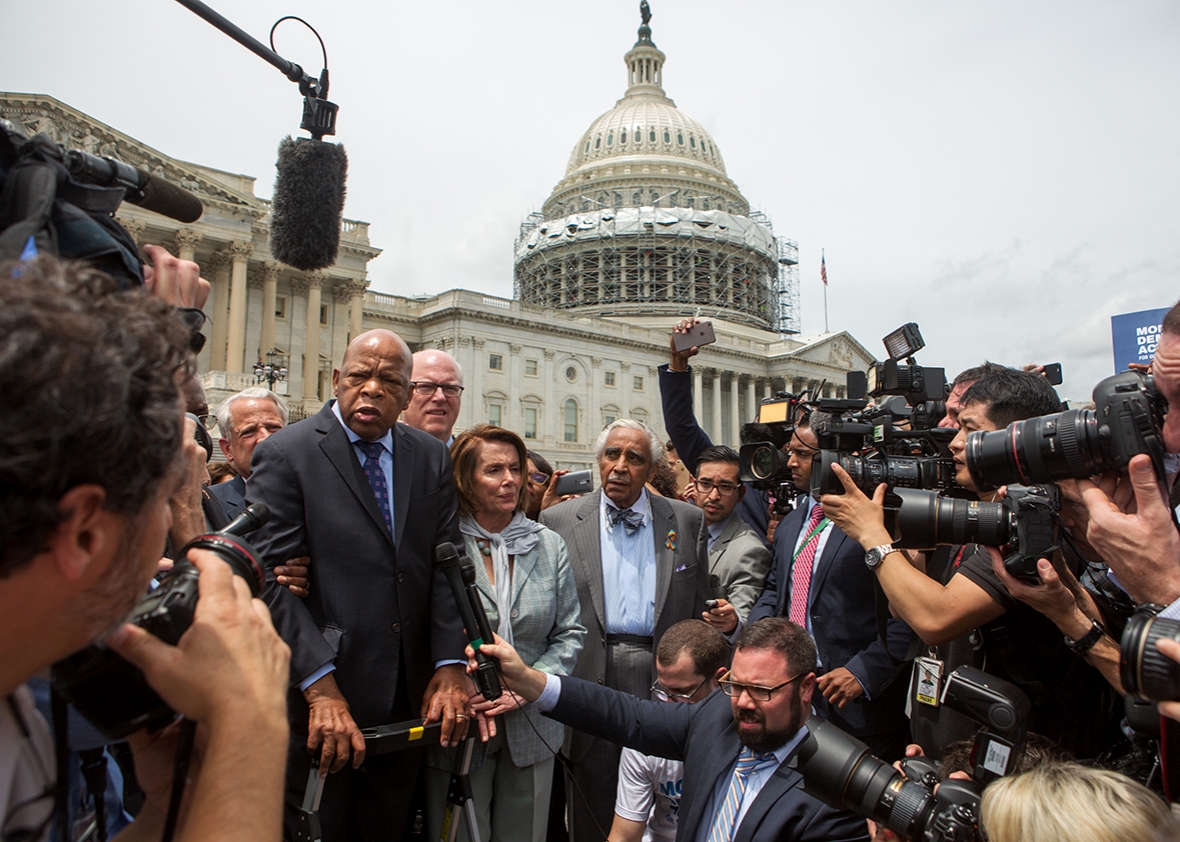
pixel 236 344
pixel 734 400
pixel 715 433
pixel 218 309
pixel 356 311
pixel 270 282
pixel 186 243
pixel 311 343
pixel 751 400
pixel 698 394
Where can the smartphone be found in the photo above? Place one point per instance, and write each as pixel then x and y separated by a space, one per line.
pixel 1053 373
pixel 578 482
pixel 699 334
pixel 711 604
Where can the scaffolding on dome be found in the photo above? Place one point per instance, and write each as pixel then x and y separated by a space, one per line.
pixel 651 260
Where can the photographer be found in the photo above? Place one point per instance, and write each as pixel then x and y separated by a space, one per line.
pixel 963 612
pixel 90 451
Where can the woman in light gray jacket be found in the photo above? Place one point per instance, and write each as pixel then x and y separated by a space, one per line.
pixel 527 586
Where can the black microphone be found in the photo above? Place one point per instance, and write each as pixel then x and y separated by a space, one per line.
pixel 460 573
pixel 308 203
pixel 252 517
pixel 140 188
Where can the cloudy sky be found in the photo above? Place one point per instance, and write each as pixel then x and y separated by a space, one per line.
pixel 1003 173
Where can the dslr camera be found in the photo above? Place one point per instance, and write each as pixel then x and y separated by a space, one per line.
pixel 839 769
pixel 1025 520
pixel 112 694
pixel 1127 419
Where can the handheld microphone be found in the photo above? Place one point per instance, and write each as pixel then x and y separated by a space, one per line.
pixel 308 203
pixel 140 188
pixel 460 573
pixel 252 517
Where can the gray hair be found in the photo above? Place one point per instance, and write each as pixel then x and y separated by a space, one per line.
pixel 655 445
pixel 258 392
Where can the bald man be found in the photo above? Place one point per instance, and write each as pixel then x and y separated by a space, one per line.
pixel 378 639
pixel 436 394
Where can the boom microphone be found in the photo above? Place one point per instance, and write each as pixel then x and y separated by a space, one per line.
pixel 460 573
pixel 308 203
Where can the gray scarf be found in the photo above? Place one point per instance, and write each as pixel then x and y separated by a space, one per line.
pixel 518 538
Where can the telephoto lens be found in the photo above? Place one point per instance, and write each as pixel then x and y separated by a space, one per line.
pixel 926 519
pixel 1145 671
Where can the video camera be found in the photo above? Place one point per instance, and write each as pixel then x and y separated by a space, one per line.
pixel 112 693
pixel 1026 520
pixel 897 441
pixel 839 769
pixel 763 462
pixel 1127 419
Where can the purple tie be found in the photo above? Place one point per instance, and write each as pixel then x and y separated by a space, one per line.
pixel 376 477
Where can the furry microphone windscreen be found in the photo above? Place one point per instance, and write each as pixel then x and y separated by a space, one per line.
pixel 308 203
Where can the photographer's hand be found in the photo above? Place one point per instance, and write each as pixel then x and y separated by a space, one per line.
pixel 679 359
pixel 515 674
pixel 1137 539
pixel 551 497
pixel 188 518
pixel 859 517
pixel 724 617
pixel 228 673
pixel 178 282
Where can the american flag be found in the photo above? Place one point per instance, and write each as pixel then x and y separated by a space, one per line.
pixel 823 269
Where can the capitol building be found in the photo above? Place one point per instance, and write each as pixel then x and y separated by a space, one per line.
pixel 644 228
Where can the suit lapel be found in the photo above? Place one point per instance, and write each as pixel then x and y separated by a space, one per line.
pixel 781 782
pixel 339 451
pixel 587 550
pixel 719 762
pixel 404 456
pixel 662 523
pixel 823 564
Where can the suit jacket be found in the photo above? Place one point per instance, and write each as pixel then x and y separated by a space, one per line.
pixel 376 603
pixel 703 736
pixel 546 633
pixel 682 577
pixel 739 558
pixel 691 441
pixel 844 625
pixel 231 495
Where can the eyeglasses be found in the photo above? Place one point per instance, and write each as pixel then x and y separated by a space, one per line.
pixel 426 390
pixel 539 478
pixel 756 692
pixel 665 696
pixel 725 489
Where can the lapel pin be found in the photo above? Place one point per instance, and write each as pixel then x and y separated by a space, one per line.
pixel 670 543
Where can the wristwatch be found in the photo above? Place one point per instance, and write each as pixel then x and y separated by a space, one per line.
pixel 1087 641
pixel 876 555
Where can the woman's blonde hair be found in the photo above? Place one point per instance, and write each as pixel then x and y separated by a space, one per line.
pixel 1062 802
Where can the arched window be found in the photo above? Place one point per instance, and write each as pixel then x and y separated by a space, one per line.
pixel 571 420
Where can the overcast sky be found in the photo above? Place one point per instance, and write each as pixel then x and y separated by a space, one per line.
pixel 1003 173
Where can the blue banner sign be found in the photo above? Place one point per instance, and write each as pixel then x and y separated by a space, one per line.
pixel 1135 336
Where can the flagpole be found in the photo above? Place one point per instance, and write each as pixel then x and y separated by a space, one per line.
pixel 823 263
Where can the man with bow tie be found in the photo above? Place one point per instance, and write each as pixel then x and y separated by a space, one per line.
pixel 641 564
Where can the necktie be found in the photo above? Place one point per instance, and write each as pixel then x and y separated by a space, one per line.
pixel 725 820
pixel 801 568
pixel 631 519
pixel 376 476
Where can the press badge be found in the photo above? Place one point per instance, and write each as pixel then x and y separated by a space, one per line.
pixel 927 680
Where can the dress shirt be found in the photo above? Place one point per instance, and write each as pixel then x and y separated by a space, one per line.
pixel 629 571
pixel 386 442
pixel 824 534
pixel 715 529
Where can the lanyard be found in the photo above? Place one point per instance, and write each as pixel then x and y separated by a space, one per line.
pixel 819 527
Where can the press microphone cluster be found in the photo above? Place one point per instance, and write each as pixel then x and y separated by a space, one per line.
pixel 460 573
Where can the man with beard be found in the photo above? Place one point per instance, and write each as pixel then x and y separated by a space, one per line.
pixel 736 745
pixel 91 438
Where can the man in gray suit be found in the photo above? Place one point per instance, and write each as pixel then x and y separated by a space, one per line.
pixel 641 565
pixel 737 555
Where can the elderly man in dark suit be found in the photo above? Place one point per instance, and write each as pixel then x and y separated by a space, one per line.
pixel 641 564
pixel 246 420
pixel 378 639
pixel 736 745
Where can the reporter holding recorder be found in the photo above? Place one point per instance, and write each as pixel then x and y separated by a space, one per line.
pixel 524 578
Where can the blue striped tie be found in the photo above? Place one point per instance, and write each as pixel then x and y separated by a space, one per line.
pixel 723 823
pixel 376 477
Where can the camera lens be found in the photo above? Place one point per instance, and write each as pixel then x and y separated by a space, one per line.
pixel 236 553
pixel 761 461
pixel 1035 450
pixel 1145 671
pixel 926 520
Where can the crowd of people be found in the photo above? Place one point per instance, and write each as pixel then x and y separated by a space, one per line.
pixel 662 641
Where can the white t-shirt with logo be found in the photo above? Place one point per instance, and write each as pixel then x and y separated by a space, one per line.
pixel 649 791
pixel 26 767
